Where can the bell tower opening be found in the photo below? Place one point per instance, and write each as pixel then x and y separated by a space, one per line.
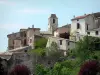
pixel 52 23
pixel 53 20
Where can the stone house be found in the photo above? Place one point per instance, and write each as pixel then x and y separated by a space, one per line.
pixel 88 24
pixel 63 44
pixel 64 30
pixel 25 37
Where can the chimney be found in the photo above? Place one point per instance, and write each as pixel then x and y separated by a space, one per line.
pixel 84 14
pixel 74 16
pixel 32 26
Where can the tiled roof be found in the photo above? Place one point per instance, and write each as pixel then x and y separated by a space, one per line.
pixel 53 16
pixel 80 17
pixel 45 32
pixel 23 31
pixel 96 14
pixel 6 53
pixel 63 29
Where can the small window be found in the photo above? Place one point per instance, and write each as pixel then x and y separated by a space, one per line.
pixel 30 40
pixel 24 34
pixel 88 33
pixel 13 41
pixel 77 19
pixel 78 26
pixel 53 20
pixel 60 42
pixel 25 51
pixel 68 42
pixel 87 26
pixel 49 62
pixel 96 32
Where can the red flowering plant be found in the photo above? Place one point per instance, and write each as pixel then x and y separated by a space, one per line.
pixel 20 70
pixel 90 68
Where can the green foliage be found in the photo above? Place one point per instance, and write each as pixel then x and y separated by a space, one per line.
pixel 39 47
pixel 86 49
pixel 53 50
pixel 39 51
pixel 41 43
pixel 67 67
pixel 40 70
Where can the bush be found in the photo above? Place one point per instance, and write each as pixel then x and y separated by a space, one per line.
pixel 20 70
pixel 41 43
pixel 89 68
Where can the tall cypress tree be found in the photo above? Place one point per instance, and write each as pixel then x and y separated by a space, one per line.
pixel 1 68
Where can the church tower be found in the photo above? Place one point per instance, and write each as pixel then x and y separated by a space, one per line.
pixel 52 23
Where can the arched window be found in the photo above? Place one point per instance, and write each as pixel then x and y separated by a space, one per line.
pixel 53 20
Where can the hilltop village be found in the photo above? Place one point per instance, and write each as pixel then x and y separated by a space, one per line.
pixel 66 37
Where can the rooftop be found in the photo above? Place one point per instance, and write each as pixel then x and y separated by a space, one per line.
pixel 53 16
pixel 81 17
pixel 23 30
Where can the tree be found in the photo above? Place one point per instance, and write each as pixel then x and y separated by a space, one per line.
pixel 40 43
pixel 86 47
pixel 1 68
pixel 53 51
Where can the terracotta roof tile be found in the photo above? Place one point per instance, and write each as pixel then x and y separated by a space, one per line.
pixel 80 17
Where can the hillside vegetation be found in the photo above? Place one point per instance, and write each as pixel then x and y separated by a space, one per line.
pixel 87 49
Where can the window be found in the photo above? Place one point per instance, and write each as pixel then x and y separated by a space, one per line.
pixel 87 26
pixel 88 33
pixel 30 40
pixel 25 43
pixel 96 33
pixel 25 51
pixel 13 42
pixel 24 34
pixel 78 26
pixel 60 42
pixel 68 43
pixel 49 62
pixel 53 20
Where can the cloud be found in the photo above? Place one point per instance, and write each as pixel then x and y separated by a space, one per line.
pixel 6 2
pixel 12 26
pixel 34 11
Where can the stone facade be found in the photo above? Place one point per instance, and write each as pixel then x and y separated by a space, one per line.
pixel 63 44
pixel 52 23
pixel 26 37
pixel 23 38
pixel 88 24
pixel 62 30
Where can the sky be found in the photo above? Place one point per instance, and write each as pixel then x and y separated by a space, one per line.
pixel 16 14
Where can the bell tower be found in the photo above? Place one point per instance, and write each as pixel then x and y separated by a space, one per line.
pixel 52 23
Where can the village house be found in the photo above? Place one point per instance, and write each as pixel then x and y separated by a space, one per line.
pixel 88 24
pixel 65 37
pixel 25 38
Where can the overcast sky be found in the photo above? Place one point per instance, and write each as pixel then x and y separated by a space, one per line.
pixel 16 14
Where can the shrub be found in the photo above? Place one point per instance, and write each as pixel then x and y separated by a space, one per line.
pixel 41 43
pixel 20 70
pixel 89 68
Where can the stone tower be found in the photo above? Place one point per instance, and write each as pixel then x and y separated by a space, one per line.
pixel 52 23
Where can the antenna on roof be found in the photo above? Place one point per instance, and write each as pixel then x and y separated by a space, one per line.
pixel 85 14
pixel 92 12
pixel 33 26
pixel 74 16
